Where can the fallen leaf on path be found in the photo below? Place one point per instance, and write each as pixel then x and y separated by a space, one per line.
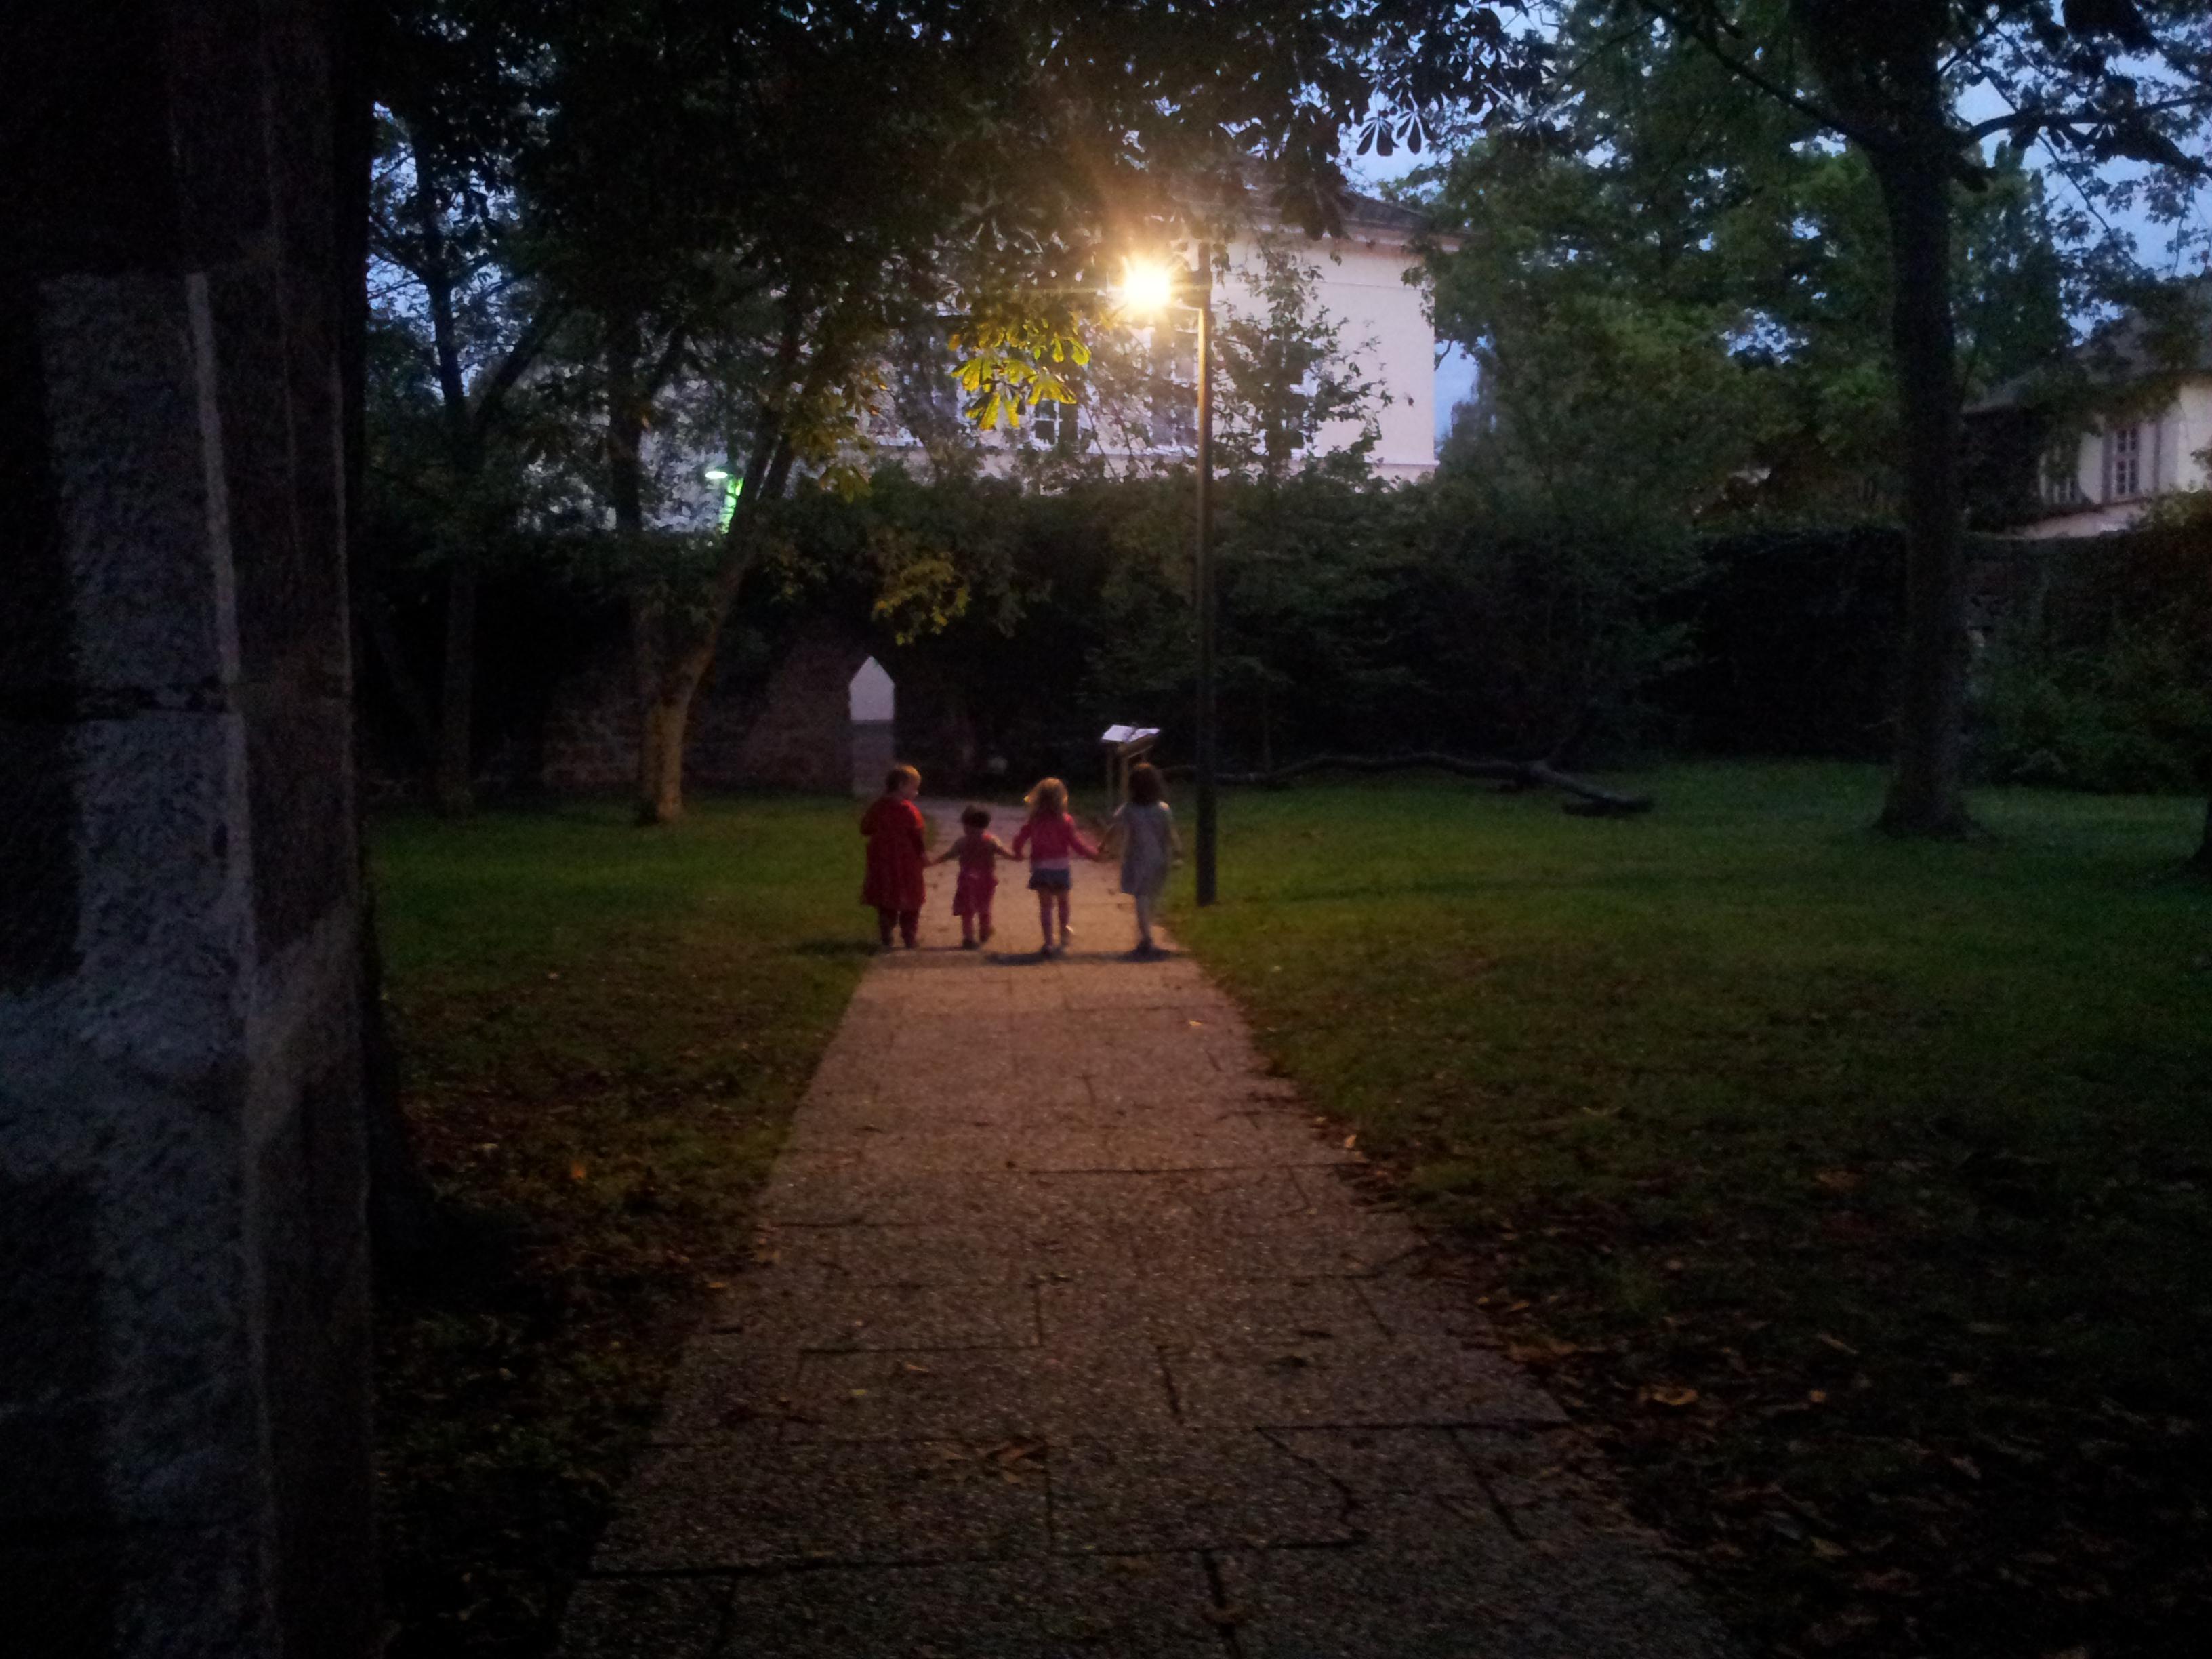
pixel 575 1172
pixel 1838 1344
pixel 1838 1181
pixel 1348 1141
pixel 1828 1550
pixel 1891 1581
pixel 1546 1350
pixel 1665 1394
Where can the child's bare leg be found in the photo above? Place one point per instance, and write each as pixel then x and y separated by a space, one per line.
pixel 1144 903
pixel 885 919
pixel 982 920
pixel 1063 897
pixel 909 927
pixel 968 928
pixel 1044 915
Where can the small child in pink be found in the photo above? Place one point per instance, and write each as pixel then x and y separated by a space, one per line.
pixel 1051 837
pixel 979 852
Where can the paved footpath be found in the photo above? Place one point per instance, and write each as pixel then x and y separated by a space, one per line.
pixel 1068 1337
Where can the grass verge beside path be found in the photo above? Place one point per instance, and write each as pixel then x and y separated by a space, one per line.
pixel 604 1031
pixel 1856 1194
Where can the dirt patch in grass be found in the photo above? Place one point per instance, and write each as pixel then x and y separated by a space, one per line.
pixel 1857 1198
pixel 606 1033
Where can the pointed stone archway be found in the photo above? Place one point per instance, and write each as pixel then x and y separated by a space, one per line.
pixel 872 706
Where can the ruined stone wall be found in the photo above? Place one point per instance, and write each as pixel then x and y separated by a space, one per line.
pixel 789 732
pixel 800 735
pixel 184 1357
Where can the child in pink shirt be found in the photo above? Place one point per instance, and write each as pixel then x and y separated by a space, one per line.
pixel 1052 839
pixel 979 852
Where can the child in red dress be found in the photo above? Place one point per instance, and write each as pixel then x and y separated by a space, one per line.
pixel 896 839
pixel 1051 836
pixel 979 852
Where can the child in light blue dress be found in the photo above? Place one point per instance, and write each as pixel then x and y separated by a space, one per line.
pixel 1143 828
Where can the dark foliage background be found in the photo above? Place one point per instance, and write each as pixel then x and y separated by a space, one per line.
pixel 1367 618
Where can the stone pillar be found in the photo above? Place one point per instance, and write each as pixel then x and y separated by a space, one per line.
pixel 184 1353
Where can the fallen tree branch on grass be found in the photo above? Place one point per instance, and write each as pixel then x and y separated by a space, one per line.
pixel 1590 801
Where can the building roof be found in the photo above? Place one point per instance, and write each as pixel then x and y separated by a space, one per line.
pixel 1372 210
pixel 2128 349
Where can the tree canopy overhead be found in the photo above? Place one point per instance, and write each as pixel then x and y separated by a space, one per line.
pixel 766 195
pixel 1677 289
pixel 1904 84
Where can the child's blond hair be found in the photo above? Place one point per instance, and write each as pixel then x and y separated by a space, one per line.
pixel 899 774
pixel 1050 795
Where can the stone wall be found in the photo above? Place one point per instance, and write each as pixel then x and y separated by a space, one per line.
pixel 788 731
pixel 184 1357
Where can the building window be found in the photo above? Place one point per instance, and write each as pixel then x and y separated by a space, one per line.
pixel 2125 468
pixel 2062 479
pixel 1052 424
pixel 1175 390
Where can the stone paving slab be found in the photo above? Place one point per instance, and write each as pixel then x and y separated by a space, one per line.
pixel 1065 1333
pixel 1215 1316
pixel 1190 1488
pixel 1148 1607
pixel 753 1499
pixel 1418 1380
pixel 847 1315
pixel 917 1394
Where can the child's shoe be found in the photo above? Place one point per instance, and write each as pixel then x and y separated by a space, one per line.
pixel 970 945
pixel 1066 936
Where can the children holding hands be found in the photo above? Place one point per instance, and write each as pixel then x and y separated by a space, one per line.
pixel 979 852
pixel 897 840
pixel 1143 829
pixel 1052 839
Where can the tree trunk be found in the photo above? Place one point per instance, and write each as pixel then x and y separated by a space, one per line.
pixel 453 769
pixel 402 1210
pixel 660 728
pixel 660 758
pixel 452 778
pixel 1926 793
pixel 1883 69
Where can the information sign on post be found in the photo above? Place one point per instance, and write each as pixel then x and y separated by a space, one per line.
pixel 1125 745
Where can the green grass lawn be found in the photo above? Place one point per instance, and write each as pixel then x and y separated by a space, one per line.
pixel 1856 1194
pixel 605 1031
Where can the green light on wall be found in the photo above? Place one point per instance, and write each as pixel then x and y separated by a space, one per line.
pixel 732 486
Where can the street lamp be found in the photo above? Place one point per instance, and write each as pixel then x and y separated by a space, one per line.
pixel 1148 286
pixel 732 486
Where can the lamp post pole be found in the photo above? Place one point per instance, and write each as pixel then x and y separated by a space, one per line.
pixel 1208 598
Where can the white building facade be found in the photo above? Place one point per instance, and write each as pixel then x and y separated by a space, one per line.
pixel 1366 284
pixel 2120 467
pixel 2154 437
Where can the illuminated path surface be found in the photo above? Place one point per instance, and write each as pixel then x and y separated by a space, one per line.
pixel 1069 1337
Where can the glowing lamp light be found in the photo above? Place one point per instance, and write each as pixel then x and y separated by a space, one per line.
pixel 1146 286
pixel 732 486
